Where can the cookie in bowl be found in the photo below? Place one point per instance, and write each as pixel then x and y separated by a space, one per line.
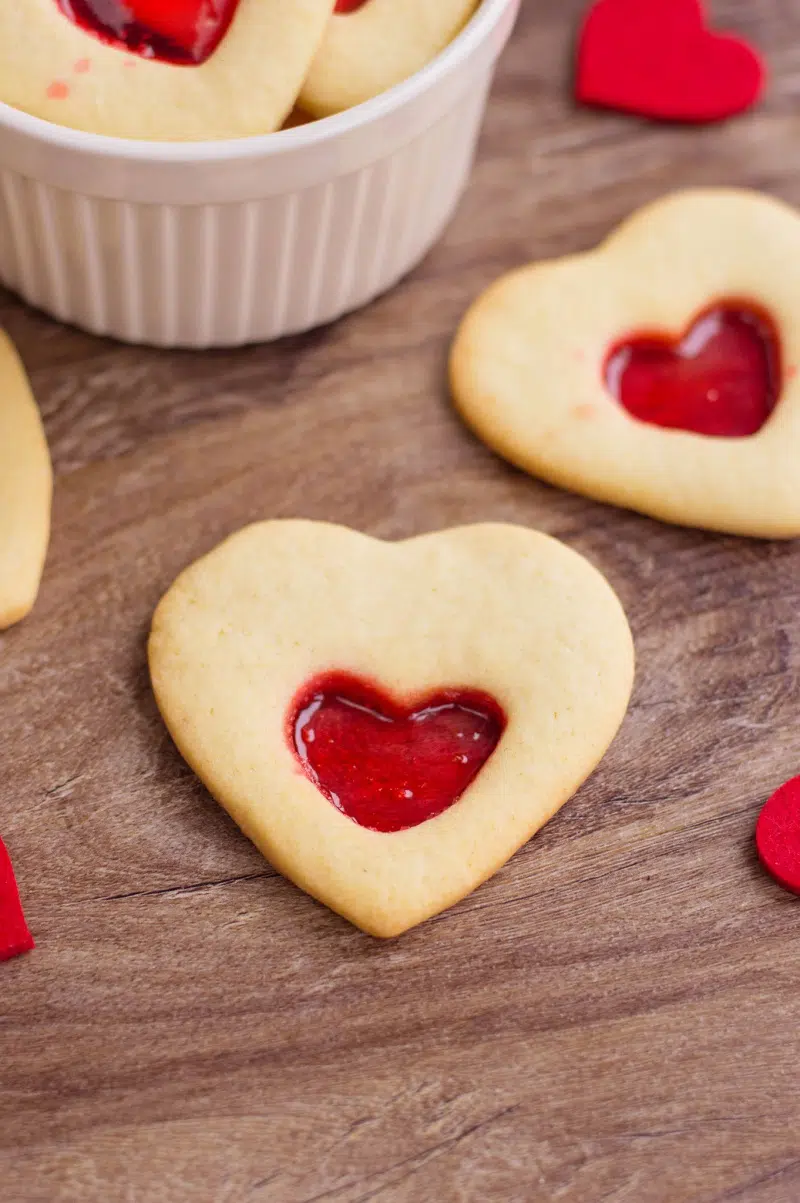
pixel 188 238
pixel 184 70
pixel 371 45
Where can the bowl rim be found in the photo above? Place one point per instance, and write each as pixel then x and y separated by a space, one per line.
pixel 262 146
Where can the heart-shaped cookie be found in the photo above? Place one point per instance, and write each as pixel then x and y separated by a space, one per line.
pixel 389 723
pixel 371 45
pixel 657 58
pixel 658 372
pixel 179 70
pixel 26 483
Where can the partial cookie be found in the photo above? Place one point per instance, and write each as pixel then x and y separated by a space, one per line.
pixel 389 723
pixel 25 490
pixel 56 67
pixel 370 47
pixel 658 372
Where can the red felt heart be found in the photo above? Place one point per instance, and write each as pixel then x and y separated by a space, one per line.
pixel 723 377
pixel 385 765
pixel 186 32
pixel 778 835
pixel 14 935
pixel 657 58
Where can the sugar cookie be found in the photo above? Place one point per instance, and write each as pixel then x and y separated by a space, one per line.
pixel 658 372
pixel 369 48
pixel 25 490
pixel 54 65
pixel 389 723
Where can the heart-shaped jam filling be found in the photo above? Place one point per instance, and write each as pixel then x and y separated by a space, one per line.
pixel 723 377
pixel 385 765
pixel 348 6
pixel 186 32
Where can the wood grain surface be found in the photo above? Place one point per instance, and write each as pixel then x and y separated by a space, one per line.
pixel 615 1015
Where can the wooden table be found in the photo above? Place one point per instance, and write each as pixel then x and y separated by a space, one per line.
pixel 615 1015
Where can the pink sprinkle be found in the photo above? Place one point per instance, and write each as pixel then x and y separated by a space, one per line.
pixel 58 90
pixel 82 66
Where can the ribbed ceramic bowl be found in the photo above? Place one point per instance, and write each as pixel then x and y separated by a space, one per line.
pixel 224 243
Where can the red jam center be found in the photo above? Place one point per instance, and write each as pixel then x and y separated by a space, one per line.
pixel 388 766
pixel 186 32
pixel 348 6
pixel 723 377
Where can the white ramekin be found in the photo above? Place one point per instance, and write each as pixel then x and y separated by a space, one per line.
pixel 224 243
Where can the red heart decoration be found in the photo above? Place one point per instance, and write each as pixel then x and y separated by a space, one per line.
pixel 778 835
pixel 14 935
pixel 385 765
pixel 723 377
pixel 658 58
pixel 186 32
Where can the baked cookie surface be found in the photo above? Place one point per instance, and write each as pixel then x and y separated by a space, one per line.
pixel 26 483
pixel 380 43
pixel 56 69
pixel 499 611
pixel 658 372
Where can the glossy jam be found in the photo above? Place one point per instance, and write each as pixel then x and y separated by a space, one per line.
pixel 185 32
pixel 348 6
pixel 386 765
pixel 722 377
